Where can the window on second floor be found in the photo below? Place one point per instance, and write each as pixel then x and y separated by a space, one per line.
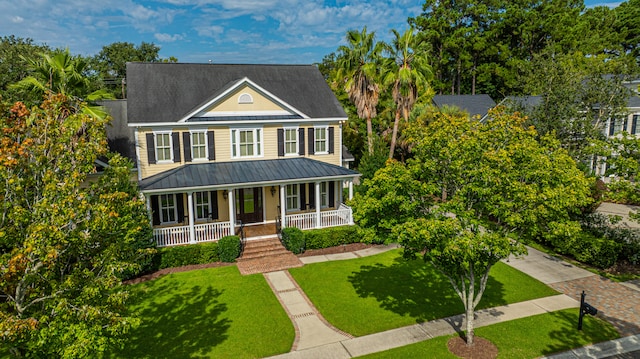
pixel 246 142
pixel 199 145
pixel 321 140
pixel 163 146
pixel 290 141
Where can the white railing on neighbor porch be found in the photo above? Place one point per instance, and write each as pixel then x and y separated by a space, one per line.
pixel 339 217
pixel 173 236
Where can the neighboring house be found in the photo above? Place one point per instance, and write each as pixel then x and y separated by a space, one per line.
pixel 613 127
pixel 477 106
pixel 217 146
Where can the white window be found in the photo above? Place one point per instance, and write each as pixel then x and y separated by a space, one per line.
pixel 321 140
pixel 203 205
pixel 293 197
pixel 245 98
pixel 163 146
pixel 246 143
pixel 324 194
pixel 290 141
pixel 168 209
pixel 199 145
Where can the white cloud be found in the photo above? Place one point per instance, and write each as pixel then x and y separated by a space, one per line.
pixel 210 31
pixel 167 37
pixel 17 19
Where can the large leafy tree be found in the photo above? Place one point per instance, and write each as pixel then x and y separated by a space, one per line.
pixel 64 242
pixel 15 53
pixel 471 192
pixel 358 65
pixel 407 74
pixel 62 73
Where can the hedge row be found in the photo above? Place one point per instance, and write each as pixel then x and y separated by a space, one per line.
pixel 227 249
pixel 298 241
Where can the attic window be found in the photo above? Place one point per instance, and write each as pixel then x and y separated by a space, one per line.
pixel 245 98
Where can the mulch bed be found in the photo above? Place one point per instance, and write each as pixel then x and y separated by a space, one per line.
pixel 481 348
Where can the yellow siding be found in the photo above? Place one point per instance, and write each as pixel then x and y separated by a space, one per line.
pixel 260 103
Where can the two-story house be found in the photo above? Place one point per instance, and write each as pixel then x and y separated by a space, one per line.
pixel 217 146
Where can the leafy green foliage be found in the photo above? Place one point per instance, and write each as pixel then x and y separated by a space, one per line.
pixel 229 248
pixel 293 240
pixel 65 242
pixel 331 237
pixel 15 53
pixel 178 256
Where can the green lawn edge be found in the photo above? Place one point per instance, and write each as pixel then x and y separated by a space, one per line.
pixel 208 313
pixel 381 292
pixel 525 338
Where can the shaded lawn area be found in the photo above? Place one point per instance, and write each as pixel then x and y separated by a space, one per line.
pixel 373 294
pixel 525 338
pixel 208 313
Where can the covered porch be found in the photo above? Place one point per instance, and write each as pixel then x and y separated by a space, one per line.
pixel 201 202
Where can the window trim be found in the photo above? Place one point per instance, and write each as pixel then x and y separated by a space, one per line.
pixel 161 208
pixel 326 140
pixel 170 146
pixel 205 144
pixel 258 141
pixel 295 208
pixel 296 142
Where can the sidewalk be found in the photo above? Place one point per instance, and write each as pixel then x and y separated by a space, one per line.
pixel 316 338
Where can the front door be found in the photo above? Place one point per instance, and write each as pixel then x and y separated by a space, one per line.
pixel 249 205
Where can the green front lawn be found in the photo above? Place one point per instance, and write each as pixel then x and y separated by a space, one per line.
pixel 381 292
pixel 209 313
pixel 525 338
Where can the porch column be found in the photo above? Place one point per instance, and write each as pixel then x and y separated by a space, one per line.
pixel 192 229
pixel 350 189
pixel 232 212
pixel 283 206
pixel 147 199
pixel 317 200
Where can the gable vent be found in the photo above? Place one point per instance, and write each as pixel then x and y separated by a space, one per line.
pixel 245 98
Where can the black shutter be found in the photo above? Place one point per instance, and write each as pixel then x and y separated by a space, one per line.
pixel 180 206
pixel 155 210
pixel 312 141
pixel 612 125
pixel 176 146
pixel 312 195
pixel 211 143
pixel 303 199
pixel 624 124
pixel 634 124
pixel 301 141
pixel 331 134
pixel 186 139
pixel 332 194
pixel 151 149
pixel 214 205
pixel 280 142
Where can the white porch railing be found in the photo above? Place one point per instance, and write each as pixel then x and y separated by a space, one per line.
pixel 339 217
pixel 173 236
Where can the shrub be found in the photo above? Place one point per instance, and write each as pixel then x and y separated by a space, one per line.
pixel 178 256
pixel 597 251
pixel 293 239
pixel 229 248
pixel 331 237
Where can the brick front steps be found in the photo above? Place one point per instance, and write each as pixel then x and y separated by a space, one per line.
pixel 266 255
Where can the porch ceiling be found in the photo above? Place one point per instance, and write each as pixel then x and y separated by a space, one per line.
pixel 244 173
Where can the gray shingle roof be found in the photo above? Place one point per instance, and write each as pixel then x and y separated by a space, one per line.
pixel 473 104
pixel 210 175
pixel 166 92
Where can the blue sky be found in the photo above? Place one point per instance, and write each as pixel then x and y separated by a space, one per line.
pixel 221 31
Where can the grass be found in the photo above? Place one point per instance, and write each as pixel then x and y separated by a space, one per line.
pixel 529 337
pixel 381 292
pixel 209 313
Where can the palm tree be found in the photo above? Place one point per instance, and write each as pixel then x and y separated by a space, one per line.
pixel 357 68
pixel 62 73
pixel 407 72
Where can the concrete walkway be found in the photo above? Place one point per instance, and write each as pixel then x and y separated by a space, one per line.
pixel 316 338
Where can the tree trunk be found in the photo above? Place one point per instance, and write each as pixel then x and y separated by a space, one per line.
pixel 394 136
pixel 369 135
pixel 469 308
